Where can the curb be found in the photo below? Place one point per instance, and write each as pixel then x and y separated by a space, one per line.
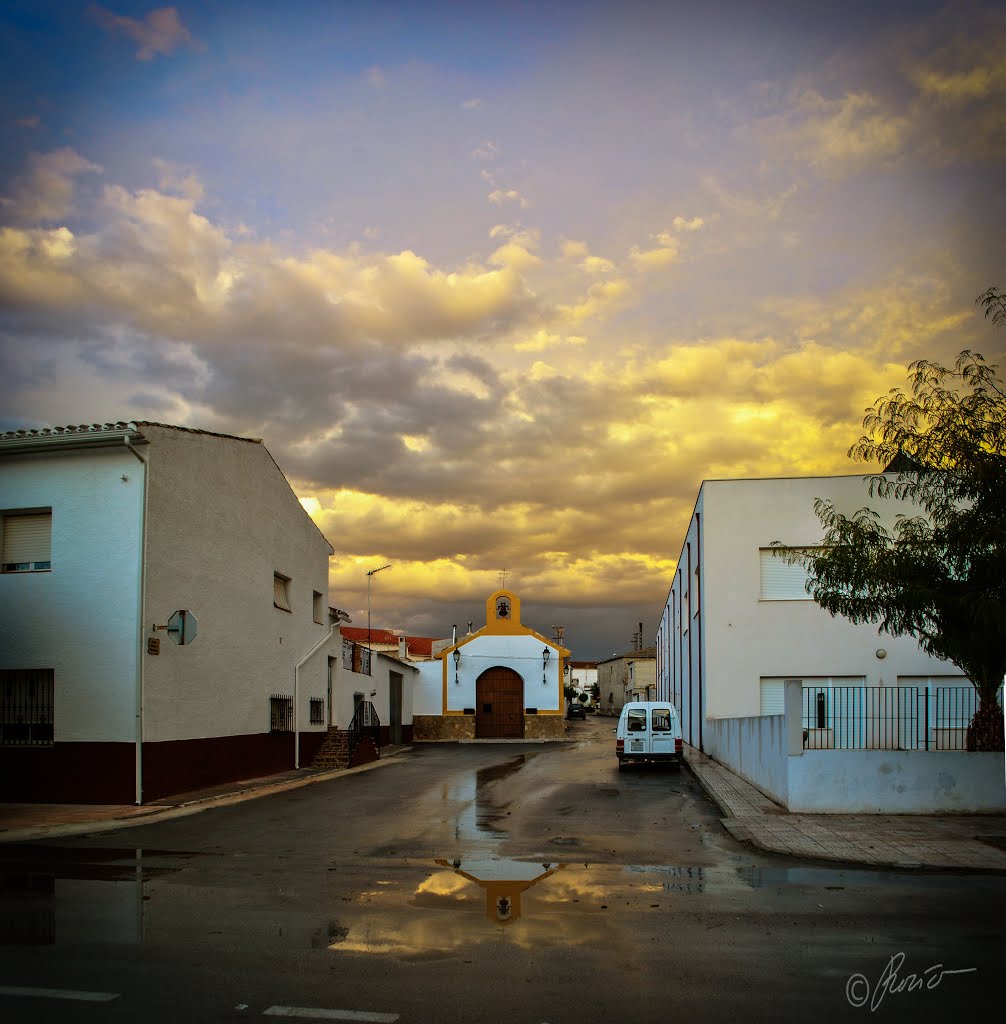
pixel 158 813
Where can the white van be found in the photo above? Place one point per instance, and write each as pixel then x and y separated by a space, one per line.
pixel 648 731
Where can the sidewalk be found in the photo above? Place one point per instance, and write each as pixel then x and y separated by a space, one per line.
pixel 28 822
pixel 964 842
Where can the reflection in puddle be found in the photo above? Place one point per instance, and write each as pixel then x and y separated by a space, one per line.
pixel 62 896
pixel 56 895
pixel 480 816
pixel 503 881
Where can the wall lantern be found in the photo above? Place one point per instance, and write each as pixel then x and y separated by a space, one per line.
pixel 545 655
pixel 457 661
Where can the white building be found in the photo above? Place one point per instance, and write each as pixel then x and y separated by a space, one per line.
pixel 582 676
pixel 738 621
pixel 111 531
pixel 502 682
pixel 819 713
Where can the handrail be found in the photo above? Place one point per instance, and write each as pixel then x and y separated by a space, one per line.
pixel 365 721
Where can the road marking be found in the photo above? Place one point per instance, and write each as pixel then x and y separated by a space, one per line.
pixel 59 993
pixel 317 1013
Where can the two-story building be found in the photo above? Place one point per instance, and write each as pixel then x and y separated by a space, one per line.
pixel 165 614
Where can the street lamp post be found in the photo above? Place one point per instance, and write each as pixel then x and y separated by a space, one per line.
pixel 370 653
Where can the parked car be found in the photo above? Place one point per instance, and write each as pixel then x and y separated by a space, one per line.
pixel 576 710
pixel 648 731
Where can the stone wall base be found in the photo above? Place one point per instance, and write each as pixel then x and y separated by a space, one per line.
pixel 433 728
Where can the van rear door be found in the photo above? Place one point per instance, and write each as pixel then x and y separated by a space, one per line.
pixel 662 731
pixel 637 733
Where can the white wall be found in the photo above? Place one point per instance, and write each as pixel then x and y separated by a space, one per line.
pixel 897 782
pixel 428 689
pixel 80 619
pixel 523 654
pixel 345 683
pixel 222 520
pixel 756 749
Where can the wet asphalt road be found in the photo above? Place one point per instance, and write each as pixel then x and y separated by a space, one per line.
pixel 523 883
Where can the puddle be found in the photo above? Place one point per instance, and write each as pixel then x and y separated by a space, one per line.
pixel 480 817
pixel 53 895
pixel 430 910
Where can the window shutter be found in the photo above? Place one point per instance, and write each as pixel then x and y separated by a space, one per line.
pixel 773 697
pixel 27 538
pixel 279 594
pixel 781 581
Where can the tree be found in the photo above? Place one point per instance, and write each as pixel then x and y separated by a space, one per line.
pixel 939 574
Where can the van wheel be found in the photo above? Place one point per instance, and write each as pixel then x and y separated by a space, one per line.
pixel 621 765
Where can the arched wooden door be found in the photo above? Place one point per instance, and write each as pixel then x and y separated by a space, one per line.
pixel 499 704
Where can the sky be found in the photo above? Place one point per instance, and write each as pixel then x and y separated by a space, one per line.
pixel 498 285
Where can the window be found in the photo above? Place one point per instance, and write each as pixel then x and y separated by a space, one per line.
pixel 660 720
pixel 347 655
pixel 280 713
pixel 781 581
pixel 26 707
pixel 281 592
pixel 317 711
pixel 319 608
pixel 27 541
pixel 636 720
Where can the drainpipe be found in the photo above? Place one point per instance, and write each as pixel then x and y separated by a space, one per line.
pixel 141 595
pixel 296 692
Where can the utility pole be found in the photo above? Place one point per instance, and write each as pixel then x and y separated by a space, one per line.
pixel 370 653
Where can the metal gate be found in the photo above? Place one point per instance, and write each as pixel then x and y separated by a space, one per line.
pixel 499 705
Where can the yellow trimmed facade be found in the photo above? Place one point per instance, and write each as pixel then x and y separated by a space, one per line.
pixel 503 682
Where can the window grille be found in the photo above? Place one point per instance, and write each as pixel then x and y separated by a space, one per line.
pixel 280 713
pixel 317 711
pixel 26 707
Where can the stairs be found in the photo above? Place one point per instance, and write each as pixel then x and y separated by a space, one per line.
pixel 334 751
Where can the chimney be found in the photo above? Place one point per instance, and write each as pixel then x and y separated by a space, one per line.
pixel 403 648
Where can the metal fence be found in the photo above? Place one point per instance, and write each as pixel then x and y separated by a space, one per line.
pixel 887 717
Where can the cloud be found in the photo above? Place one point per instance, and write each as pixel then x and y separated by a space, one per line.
pixel 662 255
pixel 46 189
pixel 375 77
pixel 161 32
pixel 166 268
pixel 845 134
pixel 764 209
pixel 31 121
pixel 510 195
pixel 486 151
pixel 472 104
pixel 681 224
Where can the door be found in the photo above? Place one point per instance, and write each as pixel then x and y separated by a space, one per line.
pixel 662 730
pixel 499 705
pixel 395 707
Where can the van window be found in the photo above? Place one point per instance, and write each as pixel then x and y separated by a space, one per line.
pixel 661 719
pixel 636 721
